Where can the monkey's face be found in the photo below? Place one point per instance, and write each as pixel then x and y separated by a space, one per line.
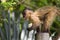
pixel 28 14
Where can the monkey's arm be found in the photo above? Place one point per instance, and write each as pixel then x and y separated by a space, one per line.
pixel 35 21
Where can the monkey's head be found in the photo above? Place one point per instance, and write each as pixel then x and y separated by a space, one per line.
pixel 27 13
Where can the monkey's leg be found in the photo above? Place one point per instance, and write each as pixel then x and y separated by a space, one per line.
pixel 49 18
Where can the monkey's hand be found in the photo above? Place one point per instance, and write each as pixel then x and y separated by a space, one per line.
pixel 35 22
pixel 29 27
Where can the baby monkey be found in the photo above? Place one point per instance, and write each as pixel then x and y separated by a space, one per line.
pixel 44 15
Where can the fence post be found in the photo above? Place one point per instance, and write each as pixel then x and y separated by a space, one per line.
pixel 42 36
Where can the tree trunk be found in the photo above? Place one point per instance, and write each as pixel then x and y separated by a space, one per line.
pixel 42 36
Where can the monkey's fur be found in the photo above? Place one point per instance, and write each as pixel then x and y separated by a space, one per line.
pixel 44 15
